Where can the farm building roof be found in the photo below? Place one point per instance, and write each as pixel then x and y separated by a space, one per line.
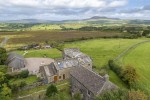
pixel 61 63
pixel 49 70
pixel 92 81
pixel 73 53
pixel 15 60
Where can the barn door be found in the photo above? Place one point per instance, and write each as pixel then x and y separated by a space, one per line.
pixel 55 78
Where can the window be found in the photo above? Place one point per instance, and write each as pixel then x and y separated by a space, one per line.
pixel 88 92
pixel 59 77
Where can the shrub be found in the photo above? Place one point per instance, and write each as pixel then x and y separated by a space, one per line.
pixel 14 88
pixel 51 90
pixel 114 95
pixel 116 68
pixel 137 95
pixel 24 74
pixel 77 96
pixel 129 75
pixel 22 84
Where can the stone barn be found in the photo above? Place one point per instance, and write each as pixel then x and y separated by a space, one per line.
pixel 75 53
pixel 89 84
pixel 58 70
pixel 16 62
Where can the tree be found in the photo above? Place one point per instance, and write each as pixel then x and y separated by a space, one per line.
pixel 51 90
pixel 130 75
pixel 2 78
pixel 113 95
pixel 146 33
pixel 137 95
pixel 3 56
pixel 5 91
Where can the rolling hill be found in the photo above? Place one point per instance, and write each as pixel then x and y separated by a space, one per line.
pixel 92 20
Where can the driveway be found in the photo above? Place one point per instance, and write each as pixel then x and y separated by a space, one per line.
pixel 33 64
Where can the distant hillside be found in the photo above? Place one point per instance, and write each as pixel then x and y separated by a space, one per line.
pixel 92 20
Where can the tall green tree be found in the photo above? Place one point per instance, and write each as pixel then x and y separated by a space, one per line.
pixel 146 33
pixel 51 90
pixel 3 55
pixel 5 91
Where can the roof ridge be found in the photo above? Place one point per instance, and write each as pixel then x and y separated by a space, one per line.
pixel 102 87
pixel 93 72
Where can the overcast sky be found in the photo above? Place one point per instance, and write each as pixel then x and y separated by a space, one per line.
pixel 73 9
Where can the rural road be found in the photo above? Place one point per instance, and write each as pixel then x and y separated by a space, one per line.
pixel 129 49
pixel 3 43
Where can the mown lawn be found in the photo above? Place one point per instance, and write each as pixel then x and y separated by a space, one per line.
pixel 140 59
pixel 50 53
pixel 102 50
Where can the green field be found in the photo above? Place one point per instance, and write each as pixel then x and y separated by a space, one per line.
pixel 140 59
pixel 102 50
pixel 50 53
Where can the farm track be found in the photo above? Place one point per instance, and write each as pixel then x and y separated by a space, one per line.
pixel 3 43
pixel 129 49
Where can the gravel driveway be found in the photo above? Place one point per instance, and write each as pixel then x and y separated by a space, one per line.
pixel 33 64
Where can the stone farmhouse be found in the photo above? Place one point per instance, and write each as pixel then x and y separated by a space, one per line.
pixel 60 68
pixel 74 65
pixel 89 83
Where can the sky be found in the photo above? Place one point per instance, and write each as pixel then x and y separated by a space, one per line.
pixel 73 9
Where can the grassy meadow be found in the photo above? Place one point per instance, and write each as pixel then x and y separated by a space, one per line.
pixel 102 50
pixel 140 59
pixel 50 53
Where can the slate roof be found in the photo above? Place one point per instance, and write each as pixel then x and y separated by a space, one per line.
pixel 73 52
pixel 84 60
pixel 49 70
pixel 67 63
pixel 92 81
pixel 15 60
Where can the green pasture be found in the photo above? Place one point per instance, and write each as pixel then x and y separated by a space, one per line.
pixel 140 59
pixel 102 50
pixel 50 53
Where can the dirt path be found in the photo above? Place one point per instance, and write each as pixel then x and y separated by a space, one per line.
pixel 3 43
pixel 129 49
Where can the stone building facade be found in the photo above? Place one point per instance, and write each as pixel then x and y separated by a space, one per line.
pixel 89 84
pixel 60 68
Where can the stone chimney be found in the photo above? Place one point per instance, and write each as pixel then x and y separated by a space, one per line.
pixel 106 77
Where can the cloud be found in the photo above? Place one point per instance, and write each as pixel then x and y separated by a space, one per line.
pixel 118 3
pixel 66 9
pixel 146 7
